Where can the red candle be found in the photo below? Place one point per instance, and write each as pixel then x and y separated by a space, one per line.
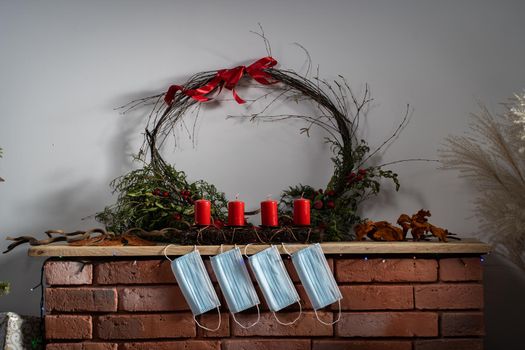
pixel 301 212
pixel 236 213
pixel 202 212
pixel 269 213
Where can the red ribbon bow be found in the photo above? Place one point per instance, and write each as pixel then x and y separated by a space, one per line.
pixel 227 78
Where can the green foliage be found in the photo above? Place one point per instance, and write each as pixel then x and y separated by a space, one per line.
pixel 152 202
pixel 334 209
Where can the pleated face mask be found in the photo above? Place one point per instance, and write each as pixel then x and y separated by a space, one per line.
pixel 276 285
pixel 317 278
pixel 235 282
pixel 194 282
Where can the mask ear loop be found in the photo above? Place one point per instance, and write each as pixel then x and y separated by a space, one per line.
pixel 330 323
pixel 210 329
pixel 245 248
pixel 291 322
pixel 165 250
pixel 286 250
pixel 253 324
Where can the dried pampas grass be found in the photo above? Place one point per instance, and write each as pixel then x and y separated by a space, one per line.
pixel 491 156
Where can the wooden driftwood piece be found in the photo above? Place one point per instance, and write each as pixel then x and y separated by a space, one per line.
pixel 417 224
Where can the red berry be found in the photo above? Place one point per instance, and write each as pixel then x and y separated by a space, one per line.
pixel 156 192
pixel 218 223
pixel 320 191
pixel 165 194
pixel 318 204
pixel 330 204
pixel 359 178
pixel 352 175
pixel 362 171
pixel 177 216
pixel 330 193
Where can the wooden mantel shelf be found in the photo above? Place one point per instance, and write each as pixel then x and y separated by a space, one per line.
pixel 465 246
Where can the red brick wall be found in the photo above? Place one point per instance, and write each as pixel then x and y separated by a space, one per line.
pixel 392 303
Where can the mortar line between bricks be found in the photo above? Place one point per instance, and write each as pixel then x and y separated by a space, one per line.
pixel 439 269
pixel 414 298
pixel 440 319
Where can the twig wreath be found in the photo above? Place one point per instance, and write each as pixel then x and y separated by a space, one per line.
pixel 159 198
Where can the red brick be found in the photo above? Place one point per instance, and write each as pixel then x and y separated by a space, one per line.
pixel 152 298
pixel 81 346
pixel 68 327
pixel 305 301
pixel 460 269
pixel 149 326
pixel 68 272
pixel 449 344
pixel 211 320
pixel 386 270
pixel 173 345
pixel 449 296
pixel 81 299
pixel 265 344
pixel 388 324
pixel 376 297
pixel 306 326
pixel 462 324
pixel 361 345
pixel 134 272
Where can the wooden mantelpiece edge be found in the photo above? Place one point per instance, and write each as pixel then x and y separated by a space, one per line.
pixel 465 246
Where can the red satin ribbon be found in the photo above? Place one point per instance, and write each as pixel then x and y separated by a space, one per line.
pixel 228 78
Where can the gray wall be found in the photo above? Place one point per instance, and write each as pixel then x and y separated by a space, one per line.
pixel 64 66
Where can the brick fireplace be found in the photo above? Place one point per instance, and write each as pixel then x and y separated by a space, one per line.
pixel 396 301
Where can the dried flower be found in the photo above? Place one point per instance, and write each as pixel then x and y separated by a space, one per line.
pixel 490 157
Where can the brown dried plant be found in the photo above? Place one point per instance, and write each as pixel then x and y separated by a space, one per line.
pixel 490 155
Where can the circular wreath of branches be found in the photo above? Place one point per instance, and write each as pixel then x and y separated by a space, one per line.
pixel 159 197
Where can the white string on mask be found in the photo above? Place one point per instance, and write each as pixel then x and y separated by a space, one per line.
pixel 291 322
pixel 253 324
pixel 210 329
pixel 330 323
pixel 245 248
pixel 286 250
pixel 165 251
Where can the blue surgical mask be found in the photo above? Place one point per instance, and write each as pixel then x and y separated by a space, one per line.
pixel 234 280
pixel 194 282
pixel 273 279
pixel 316 277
